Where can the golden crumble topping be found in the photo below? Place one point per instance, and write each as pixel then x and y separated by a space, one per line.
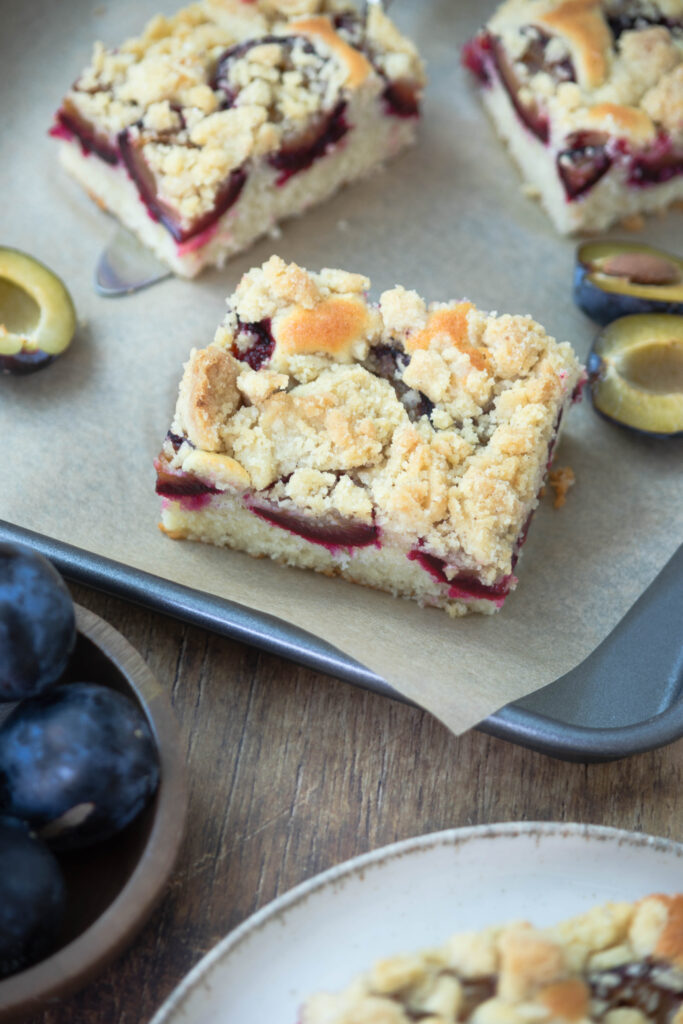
pixel 598 65
pixel 433 422
pixel 620 963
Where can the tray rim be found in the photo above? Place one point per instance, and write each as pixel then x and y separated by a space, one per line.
pixel 521 725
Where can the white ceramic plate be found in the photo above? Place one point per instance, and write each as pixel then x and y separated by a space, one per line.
pixel 409 895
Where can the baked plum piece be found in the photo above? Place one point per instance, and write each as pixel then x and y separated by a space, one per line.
pixel 587 96
pixel 218 122
pixel 396 444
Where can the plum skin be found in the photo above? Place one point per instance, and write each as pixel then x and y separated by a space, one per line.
pixel 37 623
pixel 78 763
pixel 32 897
pixel 603 305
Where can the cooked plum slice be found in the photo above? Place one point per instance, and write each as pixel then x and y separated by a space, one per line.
pixel 37 316
pixel 388 362
pixel 132 146
pixel 69 122
pixel 260 343
pixel 535 59
pixel 221 76
pixel 464 585
pixel 613 279
pixel 299 153
pixel 582 162
pixel 402 98
pixel 476 55
pixel 660 162
pixel 335 531
pixel 635 371
pixel 636 16
pixel 530 113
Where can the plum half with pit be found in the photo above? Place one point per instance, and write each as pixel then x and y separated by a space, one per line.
pixel 37 623
pixel 37 316
pixel 78 763
pixel 635 371
pixel 614 279
pixel 32 897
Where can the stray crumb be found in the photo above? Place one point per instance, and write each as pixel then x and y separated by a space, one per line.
pixel 275 232
pixel 677 205
pixel 531 191
pixel 99 11
pixel 636 222
pixel 561 480
pixel 342 225
pixel 541 493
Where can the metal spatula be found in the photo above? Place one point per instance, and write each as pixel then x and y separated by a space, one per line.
pixel 125 266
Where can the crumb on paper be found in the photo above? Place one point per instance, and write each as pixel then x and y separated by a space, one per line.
pixel 275 231
pixel 677 205
pixel 636 222
pixel 342 225
pixel 561 480
pixel 531 191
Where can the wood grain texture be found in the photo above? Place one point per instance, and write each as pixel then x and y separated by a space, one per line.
pixel 292 772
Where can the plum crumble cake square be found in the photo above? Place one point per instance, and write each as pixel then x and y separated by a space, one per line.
pixel 396 444
pixel 201 134
pixel 588 95
pixel 620 963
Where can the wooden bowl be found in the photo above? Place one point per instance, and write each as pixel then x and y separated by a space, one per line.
pixel 111 887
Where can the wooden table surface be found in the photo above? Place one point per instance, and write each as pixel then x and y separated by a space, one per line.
pixel 291 772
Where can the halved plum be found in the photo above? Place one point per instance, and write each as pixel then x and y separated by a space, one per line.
pixel 132 148
pixel 635 370
pixel 582 162
pixel 37 315
pixel 333 532
pixel 614 279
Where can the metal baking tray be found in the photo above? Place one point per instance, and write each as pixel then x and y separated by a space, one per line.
pixel 625 698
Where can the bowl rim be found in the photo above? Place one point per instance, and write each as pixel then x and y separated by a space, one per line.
pixel 72 966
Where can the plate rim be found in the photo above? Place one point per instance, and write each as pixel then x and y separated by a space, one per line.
pixel 173 1004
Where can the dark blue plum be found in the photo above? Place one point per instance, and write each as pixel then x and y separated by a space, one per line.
pixel 37 623
pixel 78 763
pixel 32 897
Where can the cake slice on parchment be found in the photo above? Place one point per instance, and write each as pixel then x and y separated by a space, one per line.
pixel 588 95
pixel 620 963
pixel 213 125
pixel 395 444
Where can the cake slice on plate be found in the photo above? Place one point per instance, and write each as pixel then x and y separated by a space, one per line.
pixel 588 95
pixel 620 963
pixel 395 444
pixel 214 124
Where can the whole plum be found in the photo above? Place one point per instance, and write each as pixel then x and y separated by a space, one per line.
pixel 78 763
pixel 32 897
pixel 37 623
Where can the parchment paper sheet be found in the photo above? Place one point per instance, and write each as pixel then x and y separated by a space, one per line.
pixel 449 219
